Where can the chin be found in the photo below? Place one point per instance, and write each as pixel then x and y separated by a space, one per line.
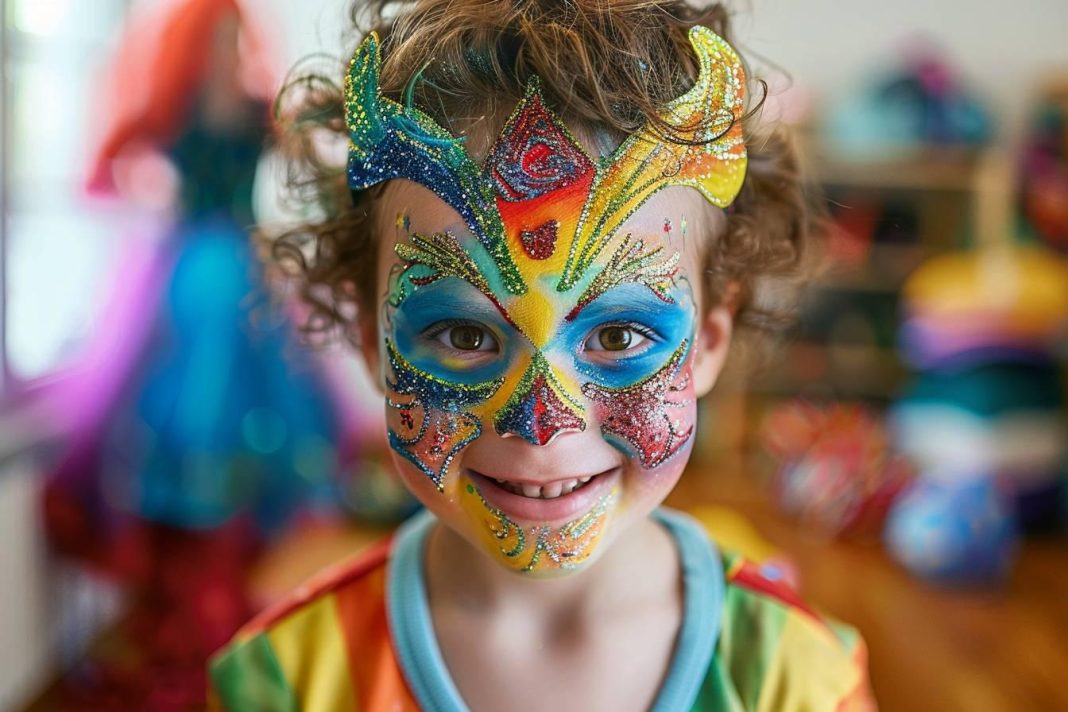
pixel 539 535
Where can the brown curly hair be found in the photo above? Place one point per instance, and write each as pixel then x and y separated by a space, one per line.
pixel 606 66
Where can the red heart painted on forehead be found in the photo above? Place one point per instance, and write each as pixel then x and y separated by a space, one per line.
pixel 540 243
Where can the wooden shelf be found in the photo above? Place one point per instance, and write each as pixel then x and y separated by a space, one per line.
pixel 833 370
pixel 935 170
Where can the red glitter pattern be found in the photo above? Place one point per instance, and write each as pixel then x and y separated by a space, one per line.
pixel 647 414
pixel 540 243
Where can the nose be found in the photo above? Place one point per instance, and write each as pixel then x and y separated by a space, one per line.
pixel 540 408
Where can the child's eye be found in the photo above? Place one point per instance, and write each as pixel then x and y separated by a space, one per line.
pixel 617 338
pixel 463 337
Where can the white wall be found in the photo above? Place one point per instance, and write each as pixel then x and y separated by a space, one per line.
pixel 26 657
pixel 830 45
pixel 49 611
pixel 1003 48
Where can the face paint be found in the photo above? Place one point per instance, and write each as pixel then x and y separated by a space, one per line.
pixel 537 549
pixel 646 415
pixel 433 416
pixel 539 316
pixel 539 408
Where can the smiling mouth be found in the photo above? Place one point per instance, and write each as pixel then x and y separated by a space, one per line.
pixel 548 490
pixel 551 490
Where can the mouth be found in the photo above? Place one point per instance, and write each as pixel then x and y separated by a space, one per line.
pixel 550 490
pixel 545 502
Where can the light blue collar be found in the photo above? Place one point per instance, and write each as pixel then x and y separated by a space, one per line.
pixel 420 659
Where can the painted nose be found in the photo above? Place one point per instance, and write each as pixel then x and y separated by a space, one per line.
pixel 539 410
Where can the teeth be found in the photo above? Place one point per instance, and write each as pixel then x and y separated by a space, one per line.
pixel 549 491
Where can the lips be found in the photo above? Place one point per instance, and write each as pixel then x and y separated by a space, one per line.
pixel 552 502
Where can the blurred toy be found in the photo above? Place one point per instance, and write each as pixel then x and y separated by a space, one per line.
pixel 982 328
pixel 962 532
pixel 1044 168
pixel 999 303
pixel 836 469
pixel 922 105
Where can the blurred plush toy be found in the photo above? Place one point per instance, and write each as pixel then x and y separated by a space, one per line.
pixel 961 531
pixel 836 469
pixel 1044 168
pixel 922 105
pixel 982 329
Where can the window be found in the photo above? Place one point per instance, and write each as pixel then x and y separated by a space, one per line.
pixel 59 251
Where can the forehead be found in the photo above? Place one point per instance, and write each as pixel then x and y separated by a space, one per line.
pixel 676 217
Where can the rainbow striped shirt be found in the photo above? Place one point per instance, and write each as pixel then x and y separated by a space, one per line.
pixel 360 637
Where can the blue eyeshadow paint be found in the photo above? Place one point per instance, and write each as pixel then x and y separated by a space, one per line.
pixel 670 323
pixel 450 299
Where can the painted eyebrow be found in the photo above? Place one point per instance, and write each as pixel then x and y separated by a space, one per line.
pixel 443 253
pixel 626 302
pixel 632 263
pixel 440 295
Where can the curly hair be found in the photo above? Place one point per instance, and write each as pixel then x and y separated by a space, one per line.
pixel 606 66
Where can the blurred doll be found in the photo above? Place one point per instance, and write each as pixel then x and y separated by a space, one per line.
pixel 197 438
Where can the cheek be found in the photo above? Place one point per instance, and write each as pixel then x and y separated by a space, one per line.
pixel 428 438
pixel 429 421
pixel 652 420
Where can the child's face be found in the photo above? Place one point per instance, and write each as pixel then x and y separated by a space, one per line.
pixel 540 426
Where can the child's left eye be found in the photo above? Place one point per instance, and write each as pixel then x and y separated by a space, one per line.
pixel 617 338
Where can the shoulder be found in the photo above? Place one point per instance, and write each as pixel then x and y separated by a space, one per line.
pixel 775 652
pixel 306 641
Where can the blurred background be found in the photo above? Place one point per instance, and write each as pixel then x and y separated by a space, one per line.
pixel 173 458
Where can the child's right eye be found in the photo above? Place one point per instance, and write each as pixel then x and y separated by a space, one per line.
pixel 463 336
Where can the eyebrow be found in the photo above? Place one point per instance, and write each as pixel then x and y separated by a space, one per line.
pixel 443 253
pixel 629 298
pixel 631 264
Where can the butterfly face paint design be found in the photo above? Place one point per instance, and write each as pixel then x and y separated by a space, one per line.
pixel 539 315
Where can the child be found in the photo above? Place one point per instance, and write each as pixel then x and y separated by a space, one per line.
pixel 551 234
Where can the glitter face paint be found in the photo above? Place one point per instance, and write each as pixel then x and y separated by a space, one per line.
pixel 537 548
pixel 536 272
pixel 649 416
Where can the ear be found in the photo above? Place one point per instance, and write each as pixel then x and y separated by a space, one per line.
pixel 711 344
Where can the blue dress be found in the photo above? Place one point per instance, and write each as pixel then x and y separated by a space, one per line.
pixel 223 413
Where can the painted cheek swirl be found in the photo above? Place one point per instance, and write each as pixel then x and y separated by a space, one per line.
pixel 653 416
pixel 434 418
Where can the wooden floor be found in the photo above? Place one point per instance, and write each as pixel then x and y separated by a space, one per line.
pixel 930 648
